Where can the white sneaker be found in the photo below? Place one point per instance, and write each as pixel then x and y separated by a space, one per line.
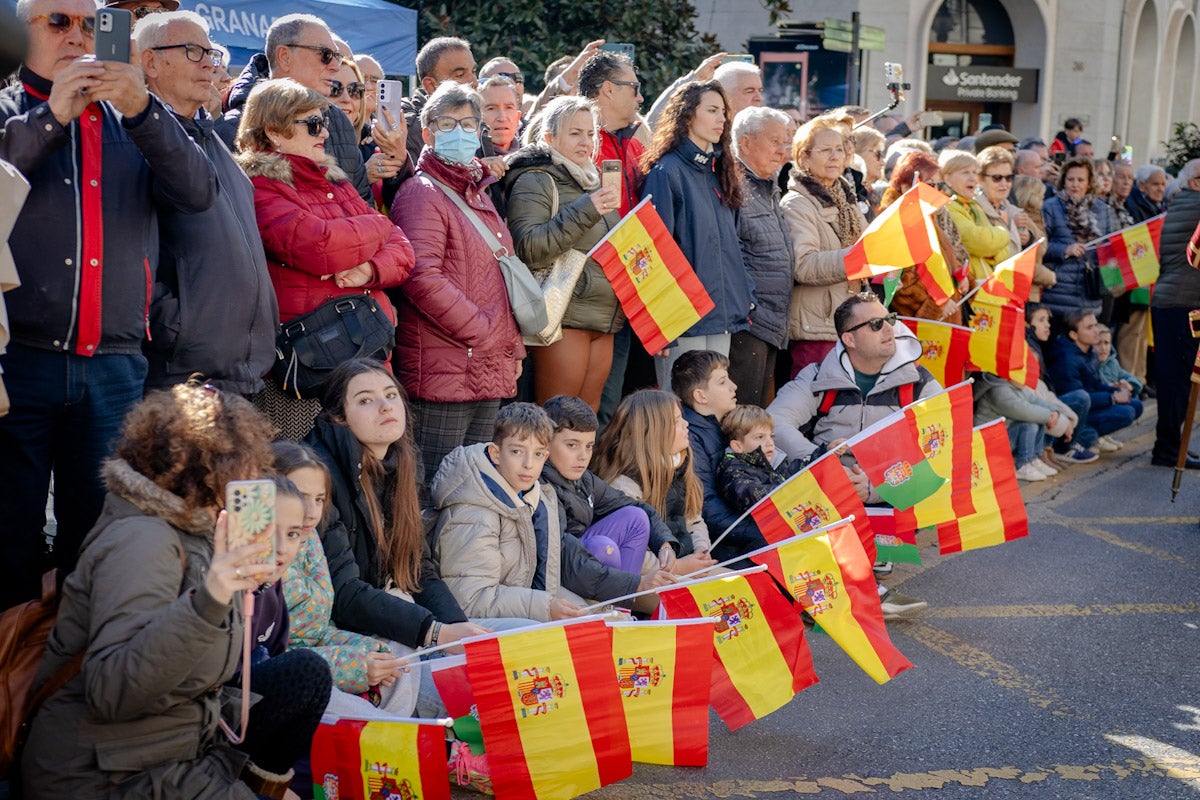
pixel 1106 445
pixel 1044 468
pixel 1116 444
pixel 1030 473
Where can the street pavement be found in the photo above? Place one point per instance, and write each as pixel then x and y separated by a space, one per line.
pixel 1063 665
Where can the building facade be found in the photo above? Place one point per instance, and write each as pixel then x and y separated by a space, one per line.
pixel 1124 67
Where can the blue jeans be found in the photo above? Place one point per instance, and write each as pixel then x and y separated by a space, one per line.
pixel 1080 402
pixel 1107 420
pixel 66 413
pixel 1025 438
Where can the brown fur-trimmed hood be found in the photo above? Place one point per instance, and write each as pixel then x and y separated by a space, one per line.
pixel 278 167
pixel 124 481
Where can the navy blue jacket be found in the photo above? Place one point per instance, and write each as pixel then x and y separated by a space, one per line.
pixel 1074 369
pixel 708 448
pixel 1068 294
pixel 687 195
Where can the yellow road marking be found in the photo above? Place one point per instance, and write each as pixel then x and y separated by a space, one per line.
pixel 1139 520
pixel 1095 531
pixel 1063 610
pixel 1163 762
pixel 1176 762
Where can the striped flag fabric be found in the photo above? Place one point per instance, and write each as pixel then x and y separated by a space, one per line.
pixel 895 535
pixel 762 660
pixel 1129 258
pixel 902 236
pixel 944 348
pixel 656 286
pixel 449 675
pixel 550 714
pixel 998 334
pixel 819 494
pixel 943 424
pixel 1012 279
pixel 999 508
pixel 354 759
pixel 830 577
pixel 666 706
pixel 891 453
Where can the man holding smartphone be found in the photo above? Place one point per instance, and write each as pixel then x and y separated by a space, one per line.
pixel 102 155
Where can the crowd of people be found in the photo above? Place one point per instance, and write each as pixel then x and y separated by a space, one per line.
pixel 465 481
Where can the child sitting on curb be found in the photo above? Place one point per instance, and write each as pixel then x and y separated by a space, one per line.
pixel 751 467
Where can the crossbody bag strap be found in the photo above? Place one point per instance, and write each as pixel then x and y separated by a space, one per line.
pixel 498 249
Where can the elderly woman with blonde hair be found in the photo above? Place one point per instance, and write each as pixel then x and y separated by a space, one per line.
pixel 987 243
pixel 824 219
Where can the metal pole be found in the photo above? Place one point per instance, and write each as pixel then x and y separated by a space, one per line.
pixel 852 67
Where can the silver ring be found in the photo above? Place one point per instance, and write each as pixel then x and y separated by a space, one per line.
pixel 238 572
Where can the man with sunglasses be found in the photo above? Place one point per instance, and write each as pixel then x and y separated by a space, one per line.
pixel 301 47
pixel 140 9
pixel 871 372
pixel 103 157
pixel 445 58
pixel 194 326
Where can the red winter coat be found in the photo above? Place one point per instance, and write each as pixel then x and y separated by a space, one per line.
pixel 456 338
pixel 624 147
pixel 313 223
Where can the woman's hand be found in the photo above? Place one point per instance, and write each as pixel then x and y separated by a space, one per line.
pixel 391 136
pixel 1075 250
pixel 238 570
pixel 949 309
pixel 606 199
pixel 380 166
pixel 655 580
pixel 454 631
pixel 686 565
pixel 666 557
pixel 354 277
pixel 1050 423
pixel 495 165
pixel 564 609
pixel 382 668
pixel 1021 218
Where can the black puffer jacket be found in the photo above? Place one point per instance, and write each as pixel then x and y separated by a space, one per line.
pixel 589 499
pixel 767 251
pixel 343 138
pixel 745 478
pixel 1179 283
pixel 360 604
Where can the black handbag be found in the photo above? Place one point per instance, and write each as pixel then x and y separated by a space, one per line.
pixel 309 347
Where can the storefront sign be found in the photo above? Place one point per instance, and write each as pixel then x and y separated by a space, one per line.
pixel 982 84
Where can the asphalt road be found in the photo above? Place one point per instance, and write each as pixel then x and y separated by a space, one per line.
pixel 1063 665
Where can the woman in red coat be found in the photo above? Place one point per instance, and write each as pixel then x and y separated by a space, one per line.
pixel 458 351
pixel 322 241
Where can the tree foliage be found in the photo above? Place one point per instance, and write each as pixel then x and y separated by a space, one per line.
pixel 1183 147
pixel 534 33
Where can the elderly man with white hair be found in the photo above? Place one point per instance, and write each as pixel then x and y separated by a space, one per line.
pixel 743 84
pixel 761 143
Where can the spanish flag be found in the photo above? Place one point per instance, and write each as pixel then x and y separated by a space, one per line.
pixel 397 758
pixel 1030 370
pixel 890 452
pixel 819 494
pixel 997 338
pixel 656 286
pixel 762 660
pixel 999 509
pixel 895 534
pixel 1130 257
pixel 1011 280
pixel 551 718
pixel 902 236
pixel 944 348
pixel 943 424
pixel 830 577
pixel 666 706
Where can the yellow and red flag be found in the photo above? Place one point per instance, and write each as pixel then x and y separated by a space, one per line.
pixel 656 286
pixel 1011 280
pixel 943 425
pixel 819 494
pixel 666 706
pixel 997 338
pixel 902 236
pixel 360 760
pixel 1130 257
pixel 550 714
pixel 830 577
pixel 999 509
pixel 944 348
pixel 1030 370
pixel 762 660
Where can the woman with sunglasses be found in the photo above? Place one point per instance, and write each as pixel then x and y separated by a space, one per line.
pixel 458 350
pixel 987 242
pixel 997 168
pixel 322 240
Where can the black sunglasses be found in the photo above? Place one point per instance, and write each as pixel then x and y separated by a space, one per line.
pixel 141 12
pixel 316 124
pixel 876 324
pixel 354 89
pixel 61 23
pixel 515 77
pixel 327 55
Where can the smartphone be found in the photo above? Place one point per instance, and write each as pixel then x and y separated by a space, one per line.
pixel 113 28
pixel 1059 158
pixel 624 48
pixel 610 174
pixel 250 509
pixel 931 119
pixel 746 57
pixel 893 72
pixel 390 94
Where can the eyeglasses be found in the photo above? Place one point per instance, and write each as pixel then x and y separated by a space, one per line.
pixel 515 77
pixel 315 124
pixel 354 89
pixel 446 123
pixel 1000 178
pixel 827 152
pixel 195 52
pixel 141 12
pixel 327 54
pixel 637 85
pixel 62 23
pixel 876 324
